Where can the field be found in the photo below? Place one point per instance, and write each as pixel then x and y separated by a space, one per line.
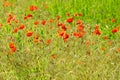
pixel 59 40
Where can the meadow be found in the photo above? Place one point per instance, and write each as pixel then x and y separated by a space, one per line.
pixel 59 40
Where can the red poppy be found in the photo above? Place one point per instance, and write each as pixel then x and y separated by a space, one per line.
pixel 65 36
pixel 53 56
pixel 69 20
pixel 36 40
pixel 48 41
pixel 13 49
pixel 79 22
pixel 15 30
pixel 1 25
pixel 11 45
pixel 36 23
pixel 29 15
pixel 103 49
pixel 29 33
pixel 22 26
pixel 80 14
pixel 58 17
pixel 63 27
pixel 97 32
pixel 96 27
pixel 113 20
pixel 36 37
pixel 59 24
pixel 80 27
pixel 105 37
pixel 32 8
pixel 67 14
pixel 61 33
pixel 114 30
pixel 43 22
pixel 118 50
pixel 76 14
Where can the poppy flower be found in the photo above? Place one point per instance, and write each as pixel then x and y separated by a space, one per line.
pixel 76 14
pixel 69 20
pixel 58 17
pixel 67 14
pixel 36 40
pixel 15 30
pixel 25 17
pixel 36 37
pixel 36 23
pixel 29 15
pixel 118 50
pixel 105 37
pixel 113 20
pixel 51 21
pixel 79 22
pixel 53 56
pixel 96 27
pixel 32 8
pixel 11 45
pixel 80 27
pixel 103 49
pixel 29 33
pixel 114 30
pixel 78 34
pixel 59 24
pixel 65 36
pixel 22 26
pixel 63 27
pixel 13 49
pixel 80 14
pixel 48 41
pixel 61 33
pixel 43 22
pixel 97 32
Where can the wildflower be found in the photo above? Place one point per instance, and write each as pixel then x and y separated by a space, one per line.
pixel 103 49
pixel 36 37
pixel 36 40
pixel 114 30
pixel 69 20
pixel 22 26
pixel 63 27
pixel 61 33
pixel 15 30
pixel 58 17
pixel 59 24
pixel 12 47
pixel 65 36
pixel 80 27
pixel 118 50
pixel 113 20
pixel 29 33
pixel 48 41
pixel 97 32
pixel 32 8
pixel 105 37
pixel 79 22
pixel 80 14
pixel 67 14
pixel 53 56
pixel 76 14
pixel 36 23
pixel 43 22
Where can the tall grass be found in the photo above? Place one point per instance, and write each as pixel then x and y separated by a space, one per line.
pixel 87 58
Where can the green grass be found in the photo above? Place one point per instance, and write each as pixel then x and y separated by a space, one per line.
pixel 59 60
